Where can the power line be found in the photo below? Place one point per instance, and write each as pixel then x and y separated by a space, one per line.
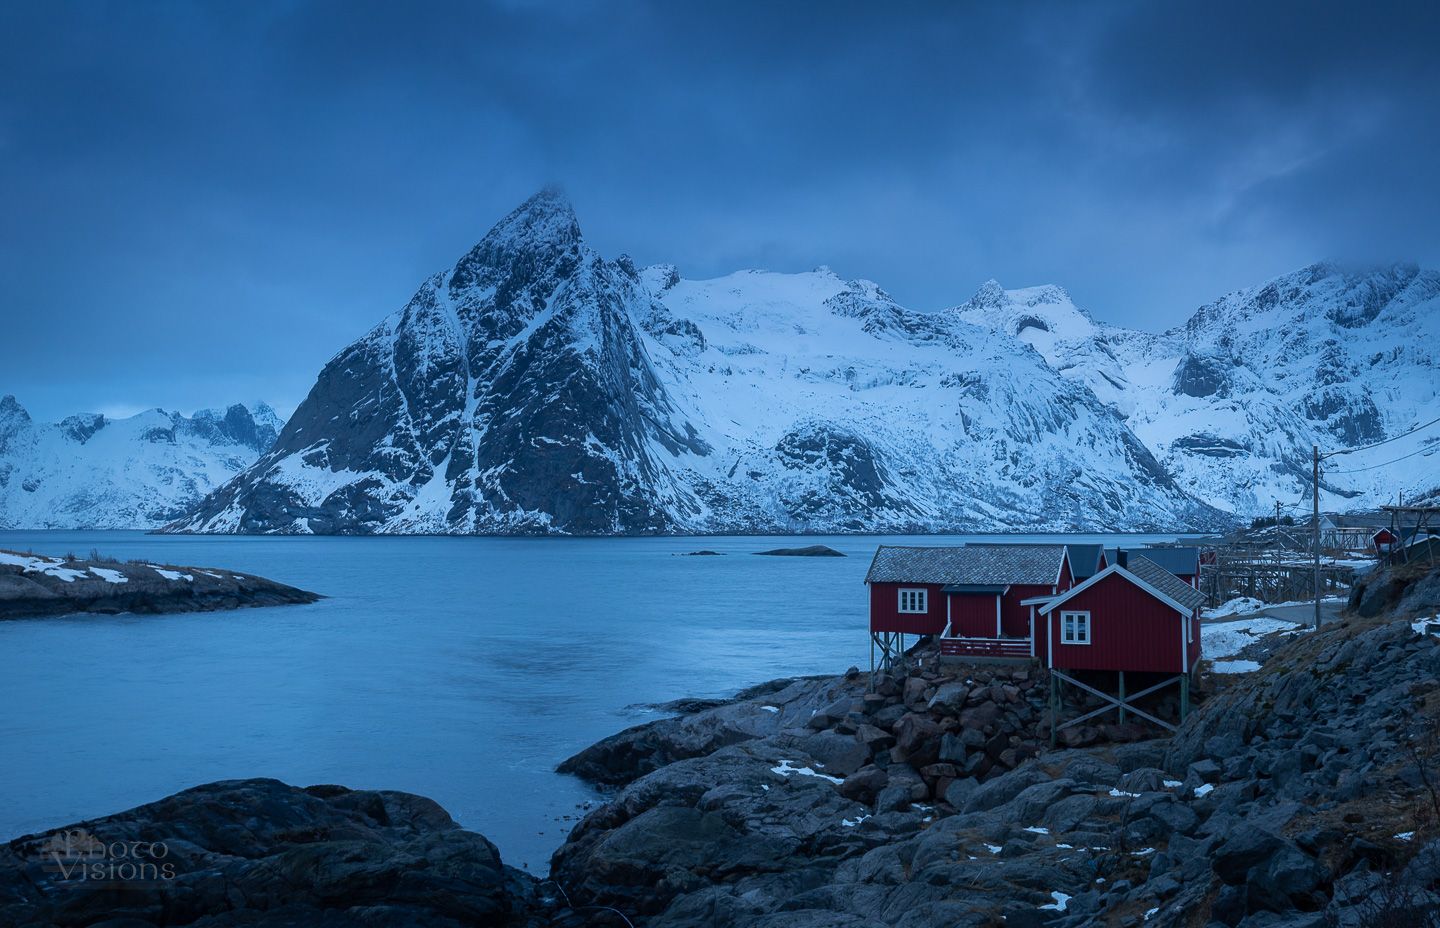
pixel 1331 454
pixel 1355 470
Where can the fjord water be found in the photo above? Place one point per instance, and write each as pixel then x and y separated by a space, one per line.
pixel 463 669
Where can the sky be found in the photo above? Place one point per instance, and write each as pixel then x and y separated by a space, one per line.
pixel 203 202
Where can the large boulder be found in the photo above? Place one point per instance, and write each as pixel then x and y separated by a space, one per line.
pixel 260 853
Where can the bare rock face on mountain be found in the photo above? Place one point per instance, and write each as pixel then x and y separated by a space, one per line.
pixel 538 387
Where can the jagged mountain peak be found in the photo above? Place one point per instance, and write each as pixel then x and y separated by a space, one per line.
pixel 991 295
pixel 1047 308
pixel 1348 295
pixel 11 410
pixel 535 236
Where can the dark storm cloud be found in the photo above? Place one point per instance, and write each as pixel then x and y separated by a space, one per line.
pixel 203 202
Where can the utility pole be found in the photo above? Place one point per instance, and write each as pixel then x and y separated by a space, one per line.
pixel 1315 483
pixel 1277 535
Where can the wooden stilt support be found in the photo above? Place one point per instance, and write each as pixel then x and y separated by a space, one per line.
pixel 1184 696
pixel 1054 707
pixel 1112 703
pixel 1122 697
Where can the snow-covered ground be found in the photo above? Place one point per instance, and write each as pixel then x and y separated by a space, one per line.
pixel 1245 605
pixel 59 568
pixel 1222 641
pixel 1240 605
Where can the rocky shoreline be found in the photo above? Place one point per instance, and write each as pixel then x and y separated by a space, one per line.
pixel 1304 794
pixel 34 586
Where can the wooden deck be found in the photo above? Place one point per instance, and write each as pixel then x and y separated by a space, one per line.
pixel 1009 649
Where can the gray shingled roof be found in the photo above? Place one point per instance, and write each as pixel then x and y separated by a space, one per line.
pixel 1178 560
pixel 1164 581
pixel 968 564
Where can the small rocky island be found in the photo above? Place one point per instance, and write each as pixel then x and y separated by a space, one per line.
pixel 1303 795
pixel 33 585
pixel 807 551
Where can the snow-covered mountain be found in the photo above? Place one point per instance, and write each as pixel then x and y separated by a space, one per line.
pixel 90 471
pixel 537 386
pixel 1232 402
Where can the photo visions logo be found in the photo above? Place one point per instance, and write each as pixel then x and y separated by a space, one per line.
pixel 77 856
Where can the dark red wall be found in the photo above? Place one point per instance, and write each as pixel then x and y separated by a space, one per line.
pixel 885 615
pixel 1015 618
pixel 972 615
pixel 1129 630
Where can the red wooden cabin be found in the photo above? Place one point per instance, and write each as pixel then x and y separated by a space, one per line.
pixel 1138 618
pixel 980 599
pixel 1384 542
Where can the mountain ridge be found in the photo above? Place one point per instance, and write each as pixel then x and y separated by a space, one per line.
pixel 89 470
pixel 539 387
pixel 536 386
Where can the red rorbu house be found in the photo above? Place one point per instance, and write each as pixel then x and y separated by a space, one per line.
pixel 1067 606
pixel 1136 618
pixel 979 599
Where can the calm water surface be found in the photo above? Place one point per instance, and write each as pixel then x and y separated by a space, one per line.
pixel 463 669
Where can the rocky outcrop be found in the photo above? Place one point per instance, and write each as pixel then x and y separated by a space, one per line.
pixel 703 729
pixel 1402 590
pixel 1296 795
pixel 261 854
pixel 32 586
pixel 727 812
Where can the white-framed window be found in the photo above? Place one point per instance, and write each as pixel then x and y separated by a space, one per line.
pixel 1074 628
pixel 914 600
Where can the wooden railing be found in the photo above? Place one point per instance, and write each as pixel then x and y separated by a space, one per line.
pixel 985 647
